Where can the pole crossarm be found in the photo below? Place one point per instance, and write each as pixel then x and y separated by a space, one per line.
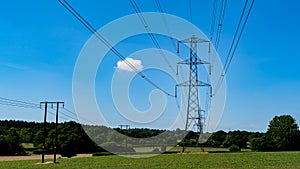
pixel 52 103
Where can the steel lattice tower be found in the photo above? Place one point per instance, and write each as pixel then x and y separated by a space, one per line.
pixel 194 113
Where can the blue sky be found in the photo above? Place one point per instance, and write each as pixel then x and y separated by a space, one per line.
pixel 40 42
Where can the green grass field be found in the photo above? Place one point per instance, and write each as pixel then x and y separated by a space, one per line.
pixel 211 160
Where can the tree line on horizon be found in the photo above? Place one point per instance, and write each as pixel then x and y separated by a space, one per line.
pixel 282 135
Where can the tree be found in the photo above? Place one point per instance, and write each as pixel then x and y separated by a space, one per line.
pixel 72 140
pixel 284 133
pixel 68 145
pixel 239 138
pixel 14 142
pixel 216 139
pixel 261 144
pixel 38 139
pixel 234 148
pixel 4 146
pixel 26 135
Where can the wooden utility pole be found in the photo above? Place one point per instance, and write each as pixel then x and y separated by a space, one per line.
pixel 44 133
pixel 125 133
pixel 56 130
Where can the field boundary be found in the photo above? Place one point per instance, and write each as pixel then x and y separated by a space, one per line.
pixel 37 157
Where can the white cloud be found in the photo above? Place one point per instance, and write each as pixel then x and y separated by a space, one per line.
pixel 126 65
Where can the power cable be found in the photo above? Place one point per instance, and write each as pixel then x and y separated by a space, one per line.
pixel 220 23
pixel 160 9
pixel 60 117
pixel 79 116
pixel 240 35
pixel 149 31
pixel 235 34
pixel 234 43
pixel 17 103
pixel 87 25
pixel 213 20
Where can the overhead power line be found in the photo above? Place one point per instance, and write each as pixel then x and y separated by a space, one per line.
pixel 17 103
pixel 60 117
pixel 220 23
pixel 236 39
pixel 160 9
pixel 77 115
pixel 152 37
pixel 230 55
pixel 213 20
pixel 87 25
pixel 22 104
pixel 149 31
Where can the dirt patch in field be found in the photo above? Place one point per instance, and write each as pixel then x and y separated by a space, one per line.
pixel 37 157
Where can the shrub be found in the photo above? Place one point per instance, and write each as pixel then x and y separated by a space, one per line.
pixel 234 148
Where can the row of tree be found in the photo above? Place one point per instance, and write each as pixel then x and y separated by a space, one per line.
pixel 74 138
pixel 282 135
pixel 10 143
pixel 71 138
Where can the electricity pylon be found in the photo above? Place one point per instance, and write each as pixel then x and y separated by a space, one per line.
pixel 194 113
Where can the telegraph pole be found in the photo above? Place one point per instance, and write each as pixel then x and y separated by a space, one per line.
pixel 56 130
pixel 126 132
pixel 194 112
pixel 44 133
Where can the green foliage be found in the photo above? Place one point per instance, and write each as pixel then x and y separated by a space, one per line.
pixel 216 139
pixel 72 140
pixel 4 146
pixel 193 142
pixel 234 148
pixel 38 138
pixel 102 154
pixel 239 138
pixel 14 142
pixel 261 144
pixel 282 135
pixel 26 135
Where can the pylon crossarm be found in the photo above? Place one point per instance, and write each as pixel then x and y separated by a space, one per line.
pixel 186 84
pixel 193 39
pixel 200 83
pixel 202 62
pixel 187 62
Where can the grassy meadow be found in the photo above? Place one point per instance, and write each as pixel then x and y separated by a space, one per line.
pixel 210 160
